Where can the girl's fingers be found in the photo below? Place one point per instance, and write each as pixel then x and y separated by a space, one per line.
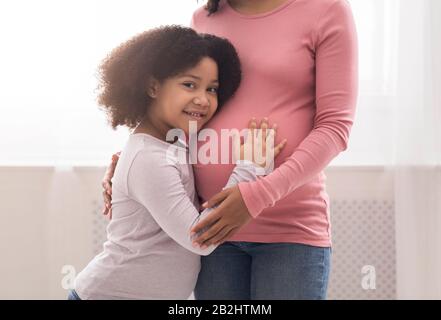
pixel 258 134
pixel 107 184
pixel 205 237
pixel 252 125
pixel 272 135
pixel 264 127
pixel 107 203
pixel 107 199
pixel 279 148
pixel 236 139
pixel 272 132
pixel 109 188
pixel 249 136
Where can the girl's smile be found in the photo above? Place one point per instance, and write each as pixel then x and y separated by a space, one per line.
pixel 189 96
pixel 196 113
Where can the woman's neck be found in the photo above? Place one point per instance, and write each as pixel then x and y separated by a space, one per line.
pixel 255 6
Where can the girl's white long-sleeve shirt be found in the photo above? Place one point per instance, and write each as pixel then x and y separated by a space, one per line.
pixel 148 253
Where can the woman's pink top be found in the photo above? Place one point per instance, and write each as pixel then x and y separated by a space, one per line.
pixel 299 64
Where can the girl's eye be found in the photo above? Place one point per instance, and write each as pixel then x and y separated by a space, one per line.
pixel 213 90
pixel 189 85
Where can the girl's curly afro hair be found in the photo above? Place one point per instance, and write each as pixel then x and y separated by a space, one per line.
pixel 160 53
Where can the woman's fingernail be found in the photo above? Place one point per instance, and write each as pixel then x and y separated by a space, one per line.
pixel 195 244
pixel 205 204
pixel 204 246
pixel 192 234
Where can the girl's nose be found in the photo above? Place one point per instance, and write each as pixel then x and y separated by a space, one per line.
pixel 201 101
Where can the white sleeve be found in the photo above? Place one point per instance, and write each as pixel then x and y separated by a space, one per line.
pixel 157 185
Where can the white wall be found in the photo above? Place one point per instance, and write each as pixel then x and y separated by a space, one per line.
pixel 46 223
pixel 50 218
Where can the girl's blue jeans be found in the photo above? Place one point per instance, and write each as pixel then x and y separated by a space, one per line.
pixel 73 295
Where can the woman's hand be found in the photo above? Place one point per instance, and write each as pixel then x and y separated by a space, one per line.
pixel 107 185
pixel 225 220
pixel 232 213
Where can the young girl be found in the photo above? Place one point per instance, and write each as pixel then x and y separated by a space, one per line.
pixel 158 81
pixel 299 66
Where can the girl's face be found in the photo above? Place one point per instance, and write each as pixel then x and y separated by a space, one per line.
pixel 189 96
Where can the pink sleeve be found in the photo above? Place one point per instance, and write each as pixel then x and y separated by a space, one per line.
pixel 336 95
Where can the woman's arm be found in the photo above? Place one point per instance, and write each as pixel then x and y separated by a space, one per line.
pixel 336 95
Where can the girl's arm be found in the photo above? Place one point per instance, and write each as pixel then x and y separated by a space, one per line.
pixel 156 183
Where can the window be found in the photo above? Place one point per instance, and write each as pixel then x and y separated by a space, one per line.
pixel 377 23
pixel 377 27
pixel 50 51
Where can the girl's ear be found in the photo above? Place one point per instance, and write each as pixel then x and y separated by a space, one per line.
pixel 152 88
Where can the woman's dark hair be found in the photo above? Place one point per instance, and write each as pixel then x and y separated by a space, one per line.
pixel 212 6
pixel 159 54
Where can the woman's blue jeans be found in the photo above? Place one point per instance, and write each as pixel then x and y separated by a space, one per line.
pixel 272 271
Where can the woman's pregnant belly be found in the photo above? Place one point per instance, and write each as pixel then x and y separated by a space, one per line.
pixel 212 173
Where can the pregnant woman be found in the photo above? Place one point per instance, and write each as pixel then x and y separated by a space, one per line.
pixel 299 68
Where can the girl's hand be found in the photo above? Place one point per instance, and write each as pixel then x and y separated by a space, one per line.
pixel 107 185
pixel 258 145
pixel 231 212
